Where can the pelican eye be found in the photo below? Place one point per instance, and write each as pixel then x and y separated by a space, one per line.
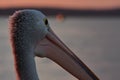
pixel 45 21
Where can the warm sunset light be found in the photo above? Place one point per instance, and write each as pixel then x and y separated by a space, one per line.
pixel 60 17
pixel 59 39
pixel 78 4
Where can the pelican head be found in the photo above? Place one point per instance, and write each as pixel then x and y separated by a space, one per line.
pixel 30 25
pixel 32 36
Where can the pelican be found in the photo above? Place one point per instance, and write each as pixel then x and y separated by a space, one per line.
pixel 32 36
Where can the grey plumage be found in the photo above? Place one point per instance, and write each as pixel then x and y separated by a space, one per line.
pixel 25 25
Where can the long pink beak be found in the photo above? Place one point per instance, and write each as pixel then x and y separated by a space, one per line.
pixel 53 48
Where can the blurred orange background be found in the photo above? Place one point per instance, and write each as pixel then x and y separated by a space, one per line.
pixel 74 4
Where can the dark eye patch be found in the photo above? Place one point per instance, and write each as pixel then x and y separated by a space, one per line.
pixel 46 22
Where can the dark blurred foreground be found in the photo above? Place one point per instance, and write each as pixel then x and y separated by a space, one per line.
pixel 67 12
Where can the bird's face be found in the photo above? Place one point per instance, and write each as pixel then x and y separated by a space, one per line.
pixel 29 24
pixel 32 27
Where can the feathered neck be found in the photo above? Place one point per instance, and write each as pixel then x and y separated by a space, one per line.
pixel 23 48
